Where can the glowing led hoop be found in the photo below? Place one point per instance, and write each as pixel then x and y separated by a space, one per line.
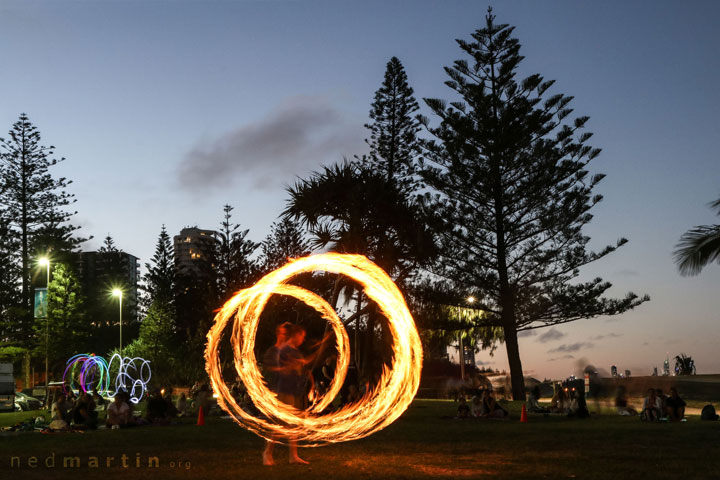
pixel 377 409
pixel 90 366
pixel 129 374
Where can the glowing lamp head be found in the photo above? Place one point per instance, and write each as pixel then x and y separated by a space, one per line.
pixel 44 262
pixel 117 292
pixel 471 299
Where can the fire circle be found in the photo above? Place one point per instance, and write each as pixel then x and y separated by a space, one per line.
pixel 377 409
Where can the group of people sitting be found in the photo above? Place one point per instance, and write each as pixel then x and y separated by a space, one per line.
pixel 80 412
pixel 482 405
pixel 656 405
pixel 566 401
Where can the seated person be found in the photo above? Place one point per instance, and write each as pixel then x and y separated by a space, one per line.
pixel 118 413
pixel 663 405
pixel 61 409
pixel 157 408
pixel 99 400
pixel 578 406
pixel 463 409
pixel 560 403
pixel 476 406
pixel 491 408
pixel 621 403
pixel 182 405
pixel 172 412
pixel 651 407
pixel 675 406
pixel 84 415
pixel 533 401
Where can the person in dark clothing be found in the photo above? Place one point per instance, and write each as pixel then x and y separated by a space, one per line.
pixel 84 414
pixel 675 406
pixel 287 363
pixel 157 408
pixel 578 406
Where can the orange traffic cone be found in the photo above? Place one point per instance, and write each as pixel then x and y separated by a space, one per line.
pixel 201 416
pixel 523 415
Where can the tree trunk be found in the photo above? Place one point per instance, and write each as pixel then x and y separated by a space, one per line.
pixel 369 340
pixel 517 379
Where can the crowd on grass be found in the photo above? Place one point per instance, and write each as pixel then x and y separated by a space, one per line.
pixel 71 411
pixel 571 402
pixel 656 406
pixel 483 404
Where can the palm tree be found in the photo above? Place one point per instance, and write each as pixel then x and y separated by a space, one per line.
pixel 350 207
pixel 684 365
pixel 699 246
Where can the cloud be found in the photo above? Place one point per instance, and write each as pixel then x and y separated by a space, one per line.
pixel 609 335
pixel 564 357
pixel 527 333
pixel 573 347
pixel 302 134
pixel 481 363
pixel 550 335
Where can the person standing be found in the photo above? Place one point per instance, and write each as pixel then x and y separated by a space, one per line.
pixel 290 379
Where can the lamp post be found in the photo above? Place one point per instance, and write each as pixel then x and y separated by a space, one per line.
pixel 469 300
pixel 118 293
pixel 45 262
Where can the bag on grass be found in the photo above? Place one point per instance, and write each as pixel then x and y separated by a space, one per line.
pixel 708 413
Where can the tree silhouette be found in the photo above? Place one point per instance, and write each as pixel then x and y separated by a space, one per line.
pixel 699 247
pixel 35 203
pixel 684 365
pixel 514 195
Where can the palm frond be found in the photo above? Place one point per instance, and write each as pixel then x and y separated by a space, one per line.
pixel 697 248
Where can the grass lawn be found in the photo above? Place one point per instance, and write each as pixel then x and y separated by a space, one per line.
pixel 420 444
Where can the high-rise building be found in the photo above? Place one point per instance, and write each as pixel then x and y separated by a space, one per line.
pixel 193 247
pixel 100 272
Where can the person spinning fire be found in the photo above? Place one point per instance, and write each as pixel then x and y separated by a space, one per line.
pixel 287 365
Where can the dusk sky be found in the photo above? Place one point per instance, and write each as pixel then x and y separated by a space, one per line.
pixel 167 110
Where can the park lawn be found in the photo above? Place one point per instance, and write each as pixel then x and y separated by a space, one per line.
pixel 420 444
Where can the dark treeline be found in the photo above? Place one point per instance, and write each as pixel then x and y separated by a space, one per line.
pixel 477 213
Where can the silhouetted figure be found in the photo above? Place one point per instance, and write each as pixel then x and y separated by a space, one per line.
pixel 651 407
pixel 578 406
pixel 675 406
pixel 621 402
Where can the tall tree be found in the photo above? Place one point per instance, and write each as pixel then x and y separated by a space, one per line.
pixel 68 330
pixel 699 246
pixel 514 195
pixel 10 303
pixel 286 240
pixel 393 130
pixel 34 201
pixel 235 266
pixel 160 277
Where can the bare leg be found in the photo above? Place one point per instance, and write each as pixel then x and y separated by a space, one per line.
pixel 267 455
pixel 294 458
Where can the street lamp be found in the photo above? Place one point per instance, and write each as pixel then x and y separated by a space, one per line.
pixel 45 262
pixel 118 293
pixel 470 300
